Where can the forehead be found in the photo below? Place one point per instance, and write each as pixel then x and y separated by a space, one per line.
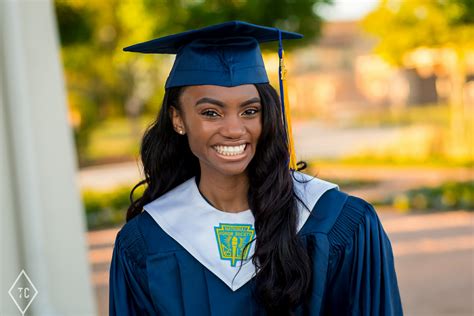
pixel 224 94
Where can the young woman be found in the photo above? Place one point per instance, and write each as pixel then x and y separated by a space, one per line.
pixel 225 226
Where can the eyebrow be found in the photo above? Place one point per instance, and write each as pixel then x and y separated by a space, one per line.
pixel 222 104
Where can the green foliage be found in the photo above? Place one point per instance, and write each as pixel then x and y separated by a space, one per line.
pixel 433 161
pixel 104 81
pixel 113 140
pixel 448 196
pixel 404 25
pixel 298 16
pixel 108 208
pixel 74 24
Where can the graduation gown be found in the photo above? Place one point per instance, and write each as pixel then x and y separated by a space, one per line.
pixel 175 258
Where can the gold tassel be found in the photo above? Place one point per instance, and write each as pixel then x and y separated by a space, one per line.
pixel 287 114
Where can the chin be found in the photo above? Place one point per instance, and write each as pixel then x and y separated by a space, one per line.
pixel 233 171
pixel 227 169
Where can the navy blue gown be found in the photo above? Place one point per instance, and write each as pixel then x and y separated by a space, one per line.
pixel 353 268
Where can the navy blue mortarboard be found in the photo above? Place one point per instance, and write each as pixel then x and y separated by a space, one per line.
pixel 226 54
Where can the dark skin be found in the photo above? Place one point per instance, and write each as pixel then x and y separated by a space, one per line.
pixel 223 125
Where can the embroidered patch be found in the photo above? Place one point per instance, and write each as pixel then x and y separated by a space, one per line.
pixel 231 240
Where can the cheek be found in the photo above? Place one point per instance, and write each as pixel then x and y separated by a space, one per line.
pixel 256 129
pixel 198 136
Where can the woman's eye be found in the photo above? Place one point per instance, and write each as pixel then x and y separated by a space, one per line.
pixel 210 113
pixel 251 111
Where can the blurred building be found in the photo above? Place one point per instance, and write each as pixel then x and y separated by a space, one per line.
pixel 340 75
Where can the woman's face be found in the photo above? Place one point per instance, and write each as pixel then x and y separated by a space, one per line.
pixel 223 125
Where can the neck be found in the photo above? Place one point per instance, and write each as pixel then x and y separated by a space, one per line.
pixel 226 193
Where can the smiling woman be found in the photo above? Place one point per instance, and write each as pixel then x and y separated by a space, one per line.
pixel 225 225
pixel 223 124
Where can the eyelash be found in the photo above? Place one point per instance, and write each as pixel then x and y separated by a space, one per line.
pixel 212 111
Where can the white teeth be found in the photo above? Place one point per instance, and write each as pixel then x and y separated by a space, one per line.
pixel 230 150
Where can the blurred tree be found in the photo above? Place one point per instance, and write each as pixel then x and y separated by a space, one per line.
pixel 405 25
pixel 434 37
pixel 103 81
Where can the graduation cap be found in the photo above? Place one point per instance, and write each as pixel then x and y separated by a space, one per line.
pixel 226 54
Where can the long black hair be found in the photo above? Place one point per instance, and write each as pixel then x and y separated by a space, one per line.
pixel 283 265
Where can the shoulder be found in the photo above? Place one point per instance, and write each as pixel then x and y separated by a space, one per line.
pixel 142 236
pixel 129 239
pixel 356 215
pixel 339 214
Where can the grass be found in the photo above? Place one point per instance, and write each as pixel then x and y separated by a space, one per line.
pixel 430 114
pixel 388 162
pixel 114 139
pixel 448 196
pixel 107 208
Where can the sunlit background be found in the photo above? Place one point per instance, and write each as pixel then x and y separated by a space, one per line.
pixel 382 102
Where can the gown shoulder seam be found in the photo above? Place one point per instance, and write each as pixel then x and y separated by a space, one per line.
pixel 132 241
pixel 352 215
pixel 325 213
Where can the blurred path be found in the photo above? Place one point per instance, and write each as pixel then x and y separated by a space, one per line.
pixel 315 139
pixel 433 256
pixel 109 176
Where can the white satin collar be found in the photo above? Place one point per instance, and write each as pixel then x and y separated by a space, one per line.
pixel 215 237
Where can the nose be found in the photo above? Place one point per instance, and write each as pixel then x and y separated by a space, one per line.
pixel 233 127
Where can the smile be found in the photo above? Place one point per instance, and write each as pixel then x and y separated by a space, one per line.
pixel 230 150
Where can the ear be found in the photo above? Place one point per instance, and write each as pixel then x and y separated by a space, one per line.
pixel 177 120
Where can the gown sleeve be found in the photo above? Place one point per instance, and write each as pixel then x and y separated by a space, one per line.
pixel 128 282
pixel 362 278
